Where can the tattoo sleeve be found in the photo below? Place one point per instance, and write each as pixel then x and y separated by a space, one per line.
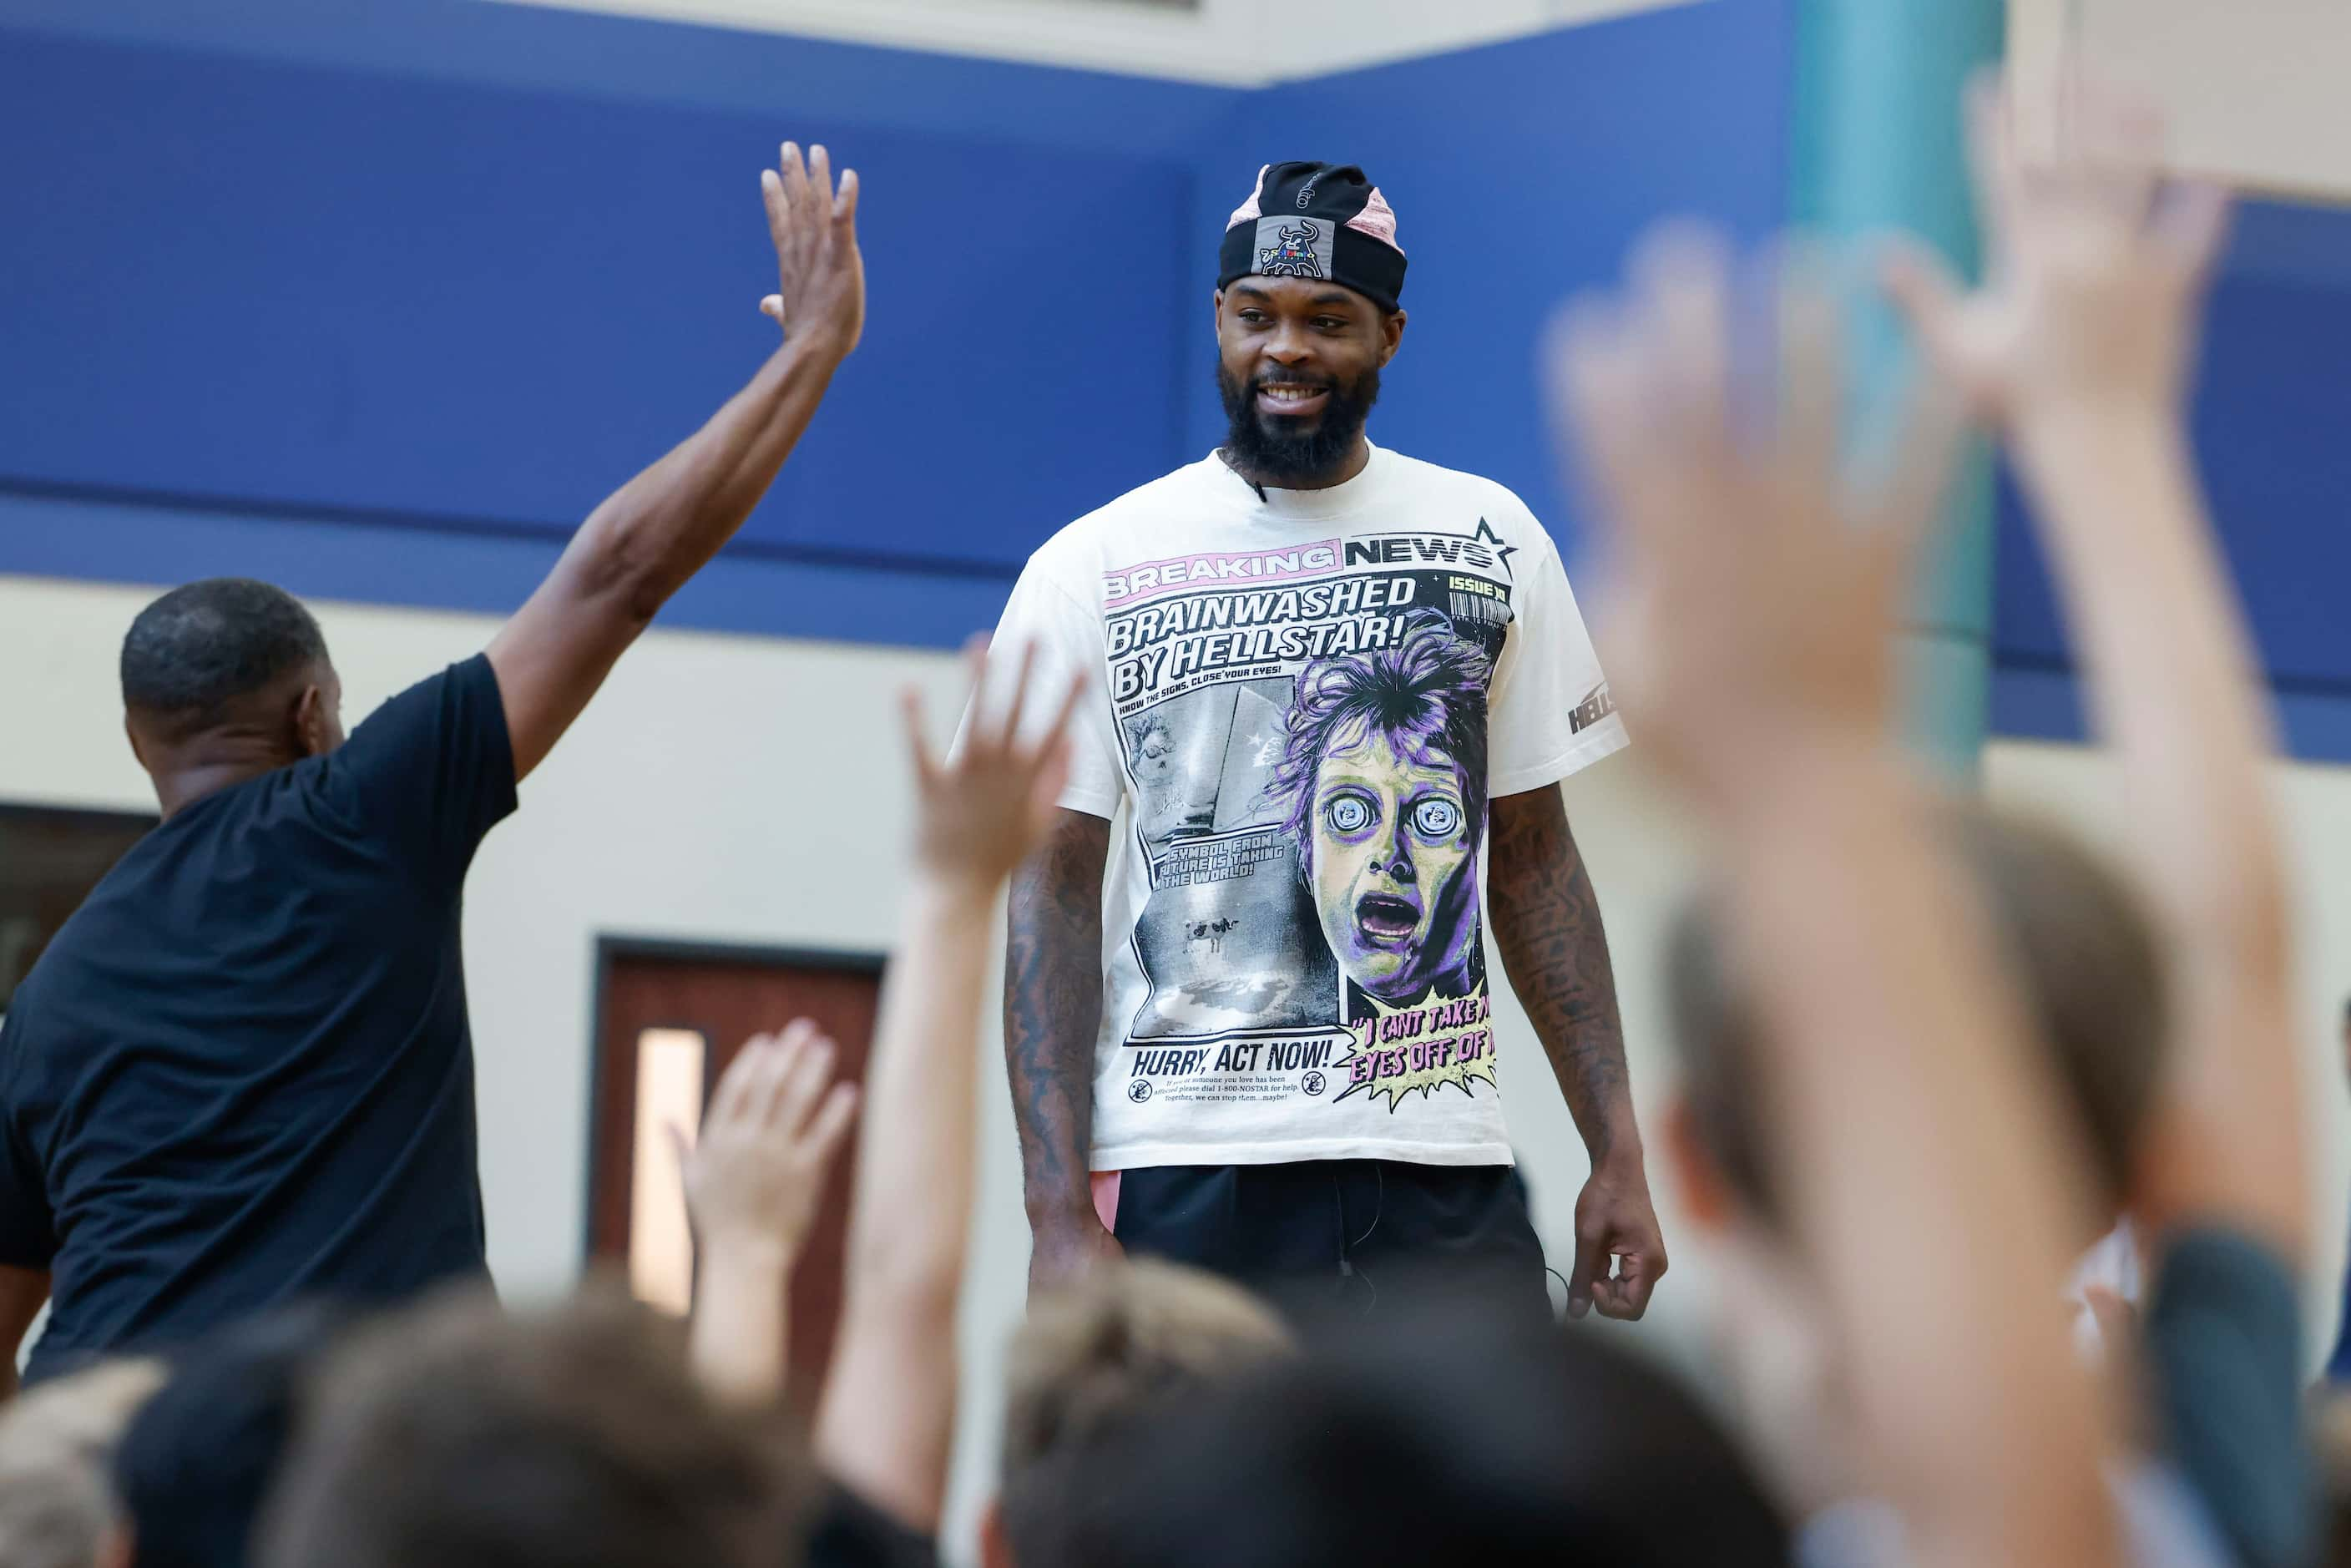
pixel 1052 1008
pixel 1547 925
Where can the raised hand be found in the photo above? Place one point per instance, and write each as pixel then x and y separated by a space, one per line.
pixel 1756 588
pixel 754 1175
pixel 820 292
pixel 1753 651
pixel 980 812
pixel 887 1424
pixel 2095 265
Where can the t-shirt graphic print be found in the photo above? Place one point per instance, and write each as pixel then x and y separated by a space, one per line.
pixel 1303 702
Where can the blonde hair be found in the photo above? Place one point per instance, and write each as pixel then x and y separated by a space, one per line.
pixel 460 1433
pixel 57 1444
pixel 1090 1357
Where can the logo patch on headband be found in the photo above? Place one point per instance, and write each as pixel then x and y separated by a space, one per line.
pixel 1299 248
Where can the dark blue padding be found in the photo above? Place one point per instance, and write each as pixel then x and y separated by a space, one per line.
pixel 233 293
pixel 379 299
pixel 2045 702
pixel 837 600
pixel 2270 439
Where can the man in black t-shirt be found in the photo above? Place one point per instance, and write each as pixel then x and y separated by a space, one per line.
pixel 242 1071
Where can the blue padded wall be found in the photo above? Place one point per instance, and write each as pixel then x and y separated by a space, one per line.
pixel 2269 414
pixel 379 299
pixel 235 297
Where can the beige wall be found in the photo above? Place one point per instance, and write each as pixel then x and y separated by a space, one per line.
pixel 747 789
pixel 1241 43
pixel 2253 88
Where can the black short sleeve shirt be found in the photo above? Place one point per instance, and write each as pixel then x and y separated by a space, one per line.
pixel 243 1072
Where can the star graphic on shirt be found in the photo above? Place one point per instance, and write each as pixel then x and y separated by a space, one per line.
pixel 1502 552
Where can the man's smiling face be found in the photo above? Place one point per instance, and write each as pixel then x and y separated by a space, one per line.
pixel 1298 367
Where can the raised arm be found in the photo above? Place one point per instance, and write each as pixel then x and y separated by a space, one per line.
pixel 660 529
pixel 2081 349
pixel 1052 1012
pixel 753 1179
pixel 1547 925
pixel 1923 1166
pixel 888 1416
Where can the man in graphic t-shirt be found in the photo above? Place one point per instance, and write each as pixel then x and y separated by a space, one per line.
pixel 1331 690
pixel 243 1072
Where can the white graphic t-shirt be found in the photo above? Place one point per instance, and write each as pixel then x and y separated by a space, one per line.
pixel 1301 705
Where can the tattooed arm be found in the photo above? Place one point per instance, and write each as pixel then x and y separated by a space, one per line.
pixel 1052 1010
pixel 1547 923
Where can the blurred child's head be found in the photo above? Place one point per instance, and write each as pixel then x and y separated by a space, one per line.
pixel 1087 1360
pixel 57 1442
pixel 2088 971
pixel 2089 975
pixel 197 1462
pixel 461 1436
pixel 1450 1437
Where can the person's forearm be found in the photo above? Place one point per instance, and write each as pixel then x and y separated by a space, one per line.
pixel 1925 1172
pixel 1053 1012
pixel 741 1319
pixel 646 538
pixel 664 525
pixel 887 1424
pixel 911 1217
pixel 2173 675
pixel 1555 951
pixel 2172 668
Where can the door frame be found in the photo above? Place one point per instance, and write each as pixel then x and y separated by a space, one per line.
pixel 750 955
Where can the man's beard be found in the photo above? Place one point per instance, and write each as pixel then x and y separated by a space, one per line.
pixel 1259 448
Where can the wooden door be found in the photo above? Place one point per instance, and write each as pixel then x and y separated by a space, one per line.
pixel 50 859
pixel 670 1017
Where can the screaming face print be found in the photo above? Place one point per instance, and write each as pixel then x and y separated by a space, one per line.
pixel 1392 850
pixel 1384 777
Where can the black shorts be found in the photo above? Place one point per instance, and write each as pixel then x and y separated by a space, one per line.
pixel 1353 1235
